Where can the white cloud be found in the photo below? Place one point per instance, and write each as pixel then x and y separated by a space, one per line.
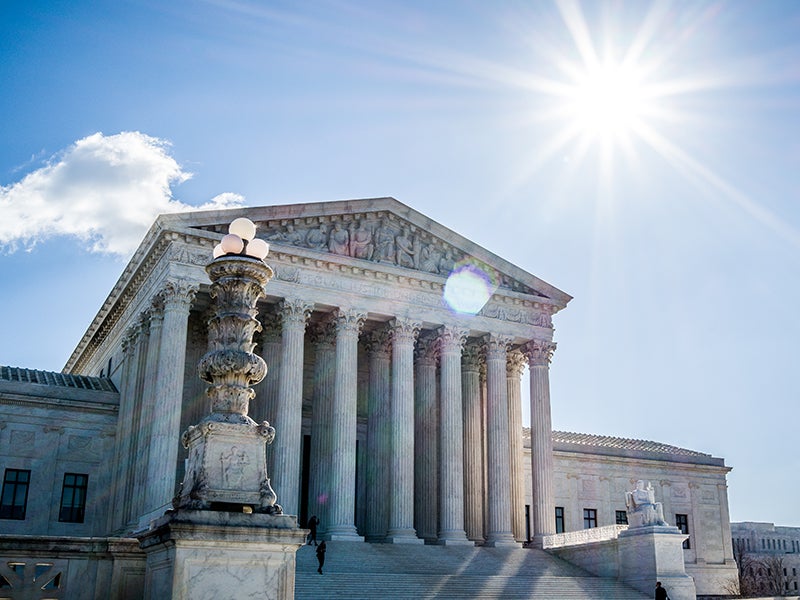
pixel 105 190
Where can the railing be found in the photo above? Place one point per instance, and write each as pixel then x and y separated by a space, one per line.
pixel 584 536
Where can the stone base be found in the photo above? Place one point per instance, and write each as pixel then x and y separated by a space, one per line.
pixel 655 553
pixel 209 555
pixel 454 538
pixel 502 541
pixel 405 536
pixel 343 534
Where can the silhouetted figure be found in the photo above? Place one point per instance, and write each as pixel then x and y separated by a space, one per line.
pixel 321 556
pixel 661 593
pixel 312 525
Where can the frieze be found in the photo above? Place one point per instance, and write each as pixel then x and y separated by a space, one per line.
pixel 375 237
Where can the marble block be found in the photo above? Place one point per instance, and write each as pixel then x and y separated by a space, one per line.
pixel 210 555
pixel 655 553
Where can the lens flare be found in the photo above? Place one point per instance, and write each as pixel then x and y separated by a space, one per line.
pixel 468 289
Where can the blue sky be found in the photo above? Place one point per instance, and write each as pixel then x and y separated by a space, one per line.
pixel 641 157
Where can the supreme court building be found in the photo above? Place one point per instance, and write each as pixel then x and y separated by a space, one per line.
pixel 395 350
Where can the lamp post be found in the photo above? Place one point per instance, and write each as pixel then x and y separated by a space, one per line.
pixel 226 467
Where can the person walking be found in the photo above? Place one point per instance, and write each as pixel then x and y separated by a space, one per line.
pixel 661 593
pixel 321 556
pixel 313 522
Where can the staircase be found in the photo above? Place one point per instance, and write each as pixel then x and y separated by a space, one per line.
pixel 361 571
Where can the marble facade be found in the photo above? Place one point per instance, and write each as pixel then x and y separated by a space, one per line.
pixel 357 285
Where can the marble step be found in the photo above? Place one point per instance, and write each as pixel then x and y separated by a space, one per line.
pixel 355 570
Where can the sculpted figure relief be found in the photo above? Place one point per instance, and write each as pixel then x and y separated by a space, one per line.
pixel 384 243
pixel 642 507
pixel 429 258
pixel 405 250
pixel 446 263
pixel 361 242
pixel 317 239
pixel 339 240
pixel 290 236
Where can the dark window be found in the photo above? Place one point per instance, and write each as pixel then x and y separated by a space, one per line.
pixel 559 519
pixel 15 494
pixel 73 498
pixel 622 517
pixel 682 523
pixel 589 518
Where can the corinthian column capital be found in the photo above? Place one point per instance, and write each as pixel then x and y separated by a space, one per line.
pixel 452 338
pixel 496 346
pixel 515 363
pixel 378 343
pixel 177 294
pixel 427 350
pixel 294 312
pixel 349 320
pixel 539 352
pixel 404 331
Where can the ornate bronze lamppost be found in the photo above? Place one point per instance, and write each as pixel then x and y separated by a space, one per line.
pixel 226 468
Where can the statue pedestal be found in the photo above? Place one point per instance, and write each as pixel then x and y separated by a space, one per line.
pixel 655 553
pixel 210 555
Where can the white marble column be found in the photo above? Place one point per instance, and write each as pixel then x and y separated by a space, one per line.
pixel 177 297
pixel 264 405
pixel 378 347
pixel 401 471
pixel 323 335
pixel 539 354
pixel 288 445
pixel 124 436
pixel 426 439
pixel 149 325
pixel 473 441
pixel 498 509
pixel 514 367
pixel 343 428
pixel 451 438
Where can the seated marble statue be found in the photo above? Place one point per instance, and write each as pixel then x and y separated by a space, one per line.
pixel 643 510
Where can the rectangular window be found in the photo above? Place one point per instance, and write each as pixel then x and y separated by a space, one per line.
pixel 622 517
pixel 73 498
pixel 15 494
pixel 682 523
pixel 589 518
pixel 559 519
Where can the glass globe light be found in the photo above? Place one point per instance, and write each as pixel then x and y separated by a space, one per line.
pixel 218 251
pixel 232 244
pixel 257 248
pixel 243 227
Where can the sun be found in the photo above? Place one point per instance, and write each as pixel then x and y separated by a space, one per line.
pixel 607 101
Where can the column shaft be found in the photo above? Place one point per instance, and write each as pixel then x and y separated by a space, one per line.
pixel 514 367
pixel 324 336
pixel 451 439
pixel 177 297
pixel 343 428
pixel 426 442
pixel 378 436
pixel 401 478
pixel 539 354
pixel 288 444
pixel 473 442
pixel 498 530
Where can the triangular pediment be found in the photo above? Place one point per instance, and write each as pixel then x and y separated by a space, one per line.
pixel 381 231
